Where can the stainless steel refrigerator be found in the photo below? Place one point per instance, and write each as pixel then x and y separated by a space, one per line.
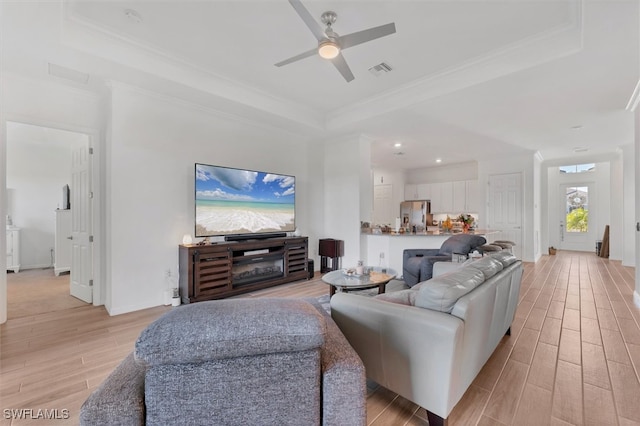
pixel 415 215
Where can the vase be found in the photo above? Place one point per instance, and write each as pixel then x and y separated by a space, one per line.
pixel 465 228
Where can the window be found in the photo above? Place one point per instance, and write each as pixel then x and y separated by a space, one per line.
pixel 577 209
pixel 578 168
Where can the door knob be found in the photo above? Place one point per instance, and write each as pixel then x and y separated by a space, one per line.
pixel 70 237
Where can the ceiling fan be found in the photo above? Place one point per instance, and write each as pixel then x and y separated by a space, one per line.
pixel 330 44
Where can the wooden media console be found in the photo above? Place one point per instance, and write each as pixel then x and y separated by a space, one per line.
pixel 218 270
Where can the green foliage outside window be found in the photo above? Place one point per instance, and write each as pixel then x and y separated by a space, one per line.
pixel 578 220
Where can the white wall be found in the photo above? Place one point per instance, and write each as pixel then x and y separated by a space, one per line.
pixel 343 185
pixel 154 143
pixel 537 210
pixel 446 173
pixel 636 216
pixel 624 222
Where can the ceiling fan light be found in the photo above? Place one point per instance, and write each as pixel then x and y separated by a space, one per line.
pixel 328 49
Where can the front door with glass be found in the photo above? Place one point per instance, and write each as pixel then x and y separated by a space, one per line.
pixel 576 219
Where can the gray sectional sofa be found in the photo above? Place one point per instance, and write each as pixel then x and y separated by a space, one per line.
pixel 429 342
pixel 236 362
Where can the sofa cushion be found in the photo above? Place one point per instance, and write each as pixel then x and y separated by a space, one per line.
pixel 487 265
pixel 402 297
pixel 441 293
pixel 461 243
pixel 219 329
pixel 505 257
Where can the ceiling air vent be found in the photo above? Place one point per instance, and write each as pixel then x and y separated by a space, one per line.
pixel 68 73
pixel 381 68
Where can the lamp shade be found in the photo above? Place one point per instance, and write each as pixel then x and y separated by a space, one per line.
pixel 186 239
pixel 328 49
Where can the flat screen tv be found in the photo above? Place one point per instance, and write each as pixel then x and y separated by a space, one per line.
pixel 231 201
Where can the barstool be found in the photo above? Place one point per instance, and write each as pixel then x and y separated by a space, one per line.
pixel 505 244
pixel 488 248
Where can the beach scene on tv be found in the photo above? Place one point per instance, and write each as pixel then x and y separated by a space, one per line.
pixel 234 201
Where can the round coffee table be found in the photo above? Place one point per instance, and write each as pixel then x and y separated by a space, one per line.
pixel 377 277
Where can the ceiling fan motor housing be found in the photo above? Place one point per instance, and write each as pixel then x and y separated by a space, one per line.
pixel 329 17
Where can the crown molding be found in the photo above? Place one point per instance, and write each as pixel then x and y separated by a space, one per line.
pixel 115 86
pixel 83 35
pixel 547 46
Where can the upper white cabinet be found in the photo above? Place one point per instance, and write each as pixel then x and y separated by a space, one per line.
pixel 459 196
pixel 446 197
pixel 424 191
pixel 472 188
pixel 411 191
pixel 13 249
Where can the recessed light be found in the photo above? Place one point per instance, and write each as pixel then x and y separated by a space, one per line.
pixel 133 15
pixel 397 144
pixel 438 160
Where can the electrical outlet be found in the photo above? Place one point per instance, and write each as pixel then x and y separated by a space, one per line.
pixel 167 273
pixel 381 255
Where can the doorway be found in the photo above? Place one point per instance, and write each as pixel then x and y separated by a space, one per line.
pixel 576 225
pixel 41 162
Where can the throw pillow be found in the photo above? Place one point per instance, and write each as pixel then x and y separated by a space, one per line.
pixel 442 293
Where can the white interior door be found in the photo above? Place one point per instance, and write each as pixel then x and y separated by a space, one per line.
pixel 576 219
pixel 505 209
pixel 81 253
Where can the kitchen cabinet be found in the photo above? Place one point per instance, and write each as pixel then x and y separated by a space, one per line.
pixel 446 197
pixel 424 191
pixel 411 191
pixel 459 204
pixel 441 197
pixel 472 199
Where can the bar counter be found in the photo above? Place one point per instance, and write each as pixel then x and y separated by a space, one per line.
pixel 386 249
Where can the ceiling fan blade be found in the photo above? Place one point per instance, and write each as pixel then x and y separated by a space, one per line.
pixel 363 36
pixel 313 25
pixel 342 66
pixel 306 54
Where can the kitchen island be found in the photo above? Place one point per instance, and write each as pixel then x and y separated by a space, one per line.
pixel 386 249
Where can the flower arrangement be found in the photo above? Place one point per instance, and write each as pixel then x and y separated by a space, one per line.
pixel 467 221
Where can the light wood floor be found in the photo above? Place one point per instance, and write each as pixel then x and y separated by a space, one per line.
pixel 36 291
pixel 573 357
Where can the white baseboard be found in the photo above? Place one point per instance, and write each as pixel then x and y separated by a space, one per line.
pixel 45 266
pixel 131 308
pixel 636 298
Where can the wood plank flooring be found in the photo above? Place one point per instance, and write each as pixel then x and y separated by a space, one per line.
pixel 573 357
